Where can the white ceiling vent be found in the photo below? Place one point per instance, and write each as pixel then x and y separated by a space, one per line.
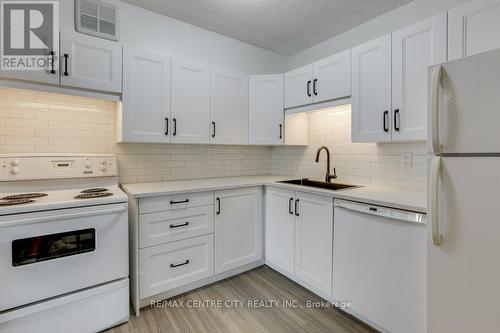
pixel 96 18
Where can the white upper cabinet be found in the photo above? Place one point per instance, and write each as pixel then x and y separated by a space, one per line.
pixel 473 28
pixel 314 242
pixel 146 97
pixel 371 91
pixel 90 63
pixel 280 229
pixel 190 102
pixel 229 107
pixel 324 80
pixel 238 228
pixel 266 112
pixel 332 77
pixel 414 49
pixel 298 87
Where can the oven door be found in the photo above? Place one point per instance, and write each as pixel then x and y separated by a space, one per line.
pixel 46 254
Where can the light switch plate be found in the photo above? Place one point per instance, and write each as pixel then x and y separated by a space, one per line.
pixel 406 160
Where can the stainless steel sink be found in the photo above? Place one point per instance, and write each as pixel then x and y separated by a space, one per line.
pixel 318 184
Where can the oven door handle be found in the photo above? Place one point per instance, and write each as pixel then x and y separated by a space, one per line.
pixel 49 218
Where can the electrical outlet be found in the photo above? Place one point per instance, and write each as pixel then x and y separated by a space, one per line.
pixel 406 160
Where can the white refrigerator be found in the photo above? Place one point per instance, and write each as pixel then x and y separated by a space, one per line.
pixel 464 196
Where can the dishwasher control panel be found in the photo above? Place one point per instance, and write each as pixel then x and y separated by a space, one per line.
pixel 392 213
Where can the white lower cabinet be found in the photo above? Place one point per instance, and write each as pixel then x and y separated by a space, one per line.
pixel 314 242
pixel 280 229
pixel 299 237
pixel 172 265
pixel 238 228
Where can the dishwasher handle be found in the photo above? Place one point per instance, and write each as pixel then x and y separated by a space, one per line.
pixel 392 213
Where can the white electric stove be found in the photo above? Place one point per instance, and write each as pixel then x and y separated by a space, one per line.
pixel 63 243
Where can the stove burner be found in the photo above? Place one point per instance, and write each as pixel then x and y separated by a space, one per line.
pixel 93 195
pixel 94 190
pixel 15 202
pixel 24 196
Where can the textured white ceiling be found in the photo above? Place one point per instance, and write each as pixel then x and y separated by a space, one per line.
pixel 282 26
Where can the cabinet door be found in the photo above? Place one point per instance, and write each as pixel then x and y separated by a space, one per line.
pixel 332 77
pixel 266 110
pixel 50 75
pixel 414 49
pixel 229 107
pixel 314 242
pixel 238 228
pixel 473 28
pixel 190 102
pixel 90 62
pixel 280 229
pixel 146 97
pixel 298 87
pixel 371 91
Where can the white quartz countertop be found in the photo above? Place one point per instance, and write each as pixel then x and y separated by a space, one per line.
pixel 376 195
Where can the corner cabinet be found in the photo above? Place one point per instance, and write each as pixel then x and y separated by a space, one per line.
pixel 228 107
pixel 238 228
pixel 145 113
pixel 473 28
pixel 190 102
pixel 389 82
pixel 299 237
pixel 266 112
pixel 324 80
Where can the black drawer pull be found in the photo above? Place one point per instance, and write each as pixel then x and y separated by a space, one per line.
pixel 53 59
pixel 178 202
pixel 315 91
pixel 66 56
pixel 173 226
pixel 309 88
pixel 297 207
pixel 386 120
pixel 373 209
pixel 175 127
pixel 396 120
pixel 213 124
pixel 281 131
pixel 181 264
pixel 290 206
pixel 218 206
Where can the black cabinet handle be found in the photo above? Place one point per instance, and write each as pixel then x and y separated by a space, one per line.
pixel 290 206
pixel 166 126
pixel 66 56
pixel 218 206
pixel 178 202
pixel 53 57
pixel 175 127
pixel 213 125
pixel 173 226
pixel 297 207
pixel 181 264
pixel 396 120
pixel 315 91
pixel 386 116
pixel 309 88
pixel 281 131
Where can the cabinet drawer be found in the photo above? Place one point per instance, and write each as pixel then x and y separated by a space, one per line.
pixel 172 265
pixel 169 202
pixel 163 227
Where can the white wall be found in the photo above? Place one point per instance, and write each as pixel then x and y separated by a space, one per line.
pixel 387 23
pixel 158 33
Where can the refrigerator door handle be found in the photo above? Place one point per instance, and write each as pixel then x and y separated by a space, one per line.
pixel 437 238
pixel 436 76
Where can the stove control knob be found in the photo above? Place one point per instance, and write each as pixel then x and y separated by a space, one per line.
pixel 14 170
pixel 87 163
pixel 104 164
pixel 14 162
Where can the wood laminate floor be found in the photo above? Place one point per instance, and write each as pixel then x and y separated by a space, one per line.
pixel 255 290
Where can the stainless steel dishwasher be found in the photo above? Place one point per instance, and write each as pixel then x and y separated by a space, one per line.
pixel 380 264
